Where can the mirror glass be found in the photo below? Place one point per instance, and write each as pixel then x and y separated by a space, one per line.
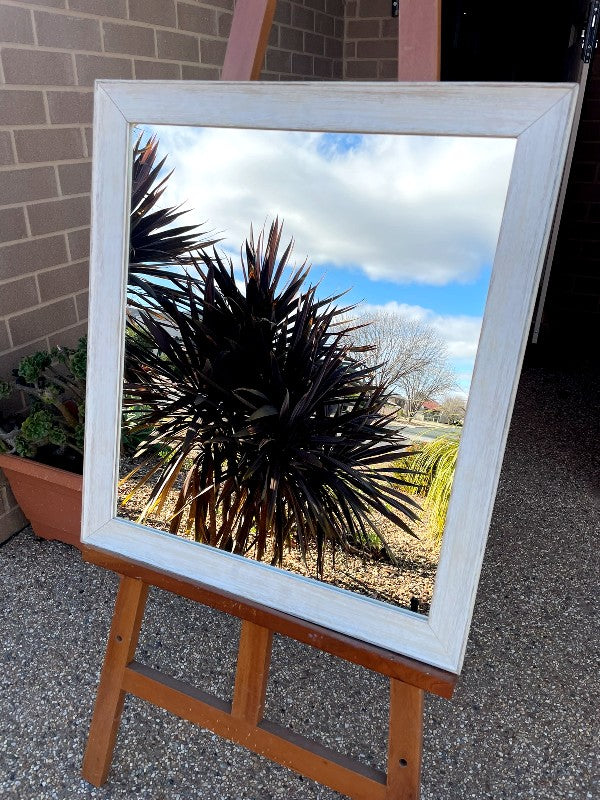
pixel 303 313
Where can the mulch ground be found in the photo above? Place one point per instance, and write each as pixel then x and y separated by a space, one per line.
pixel 409 584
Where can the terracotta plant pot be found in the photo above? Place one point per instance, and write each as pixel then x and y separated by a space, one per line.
pixel 50 498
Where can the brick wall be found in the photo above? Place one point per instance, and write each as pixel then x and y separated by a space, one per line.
pixel 51 53
pixel 371 41
pixel 571 320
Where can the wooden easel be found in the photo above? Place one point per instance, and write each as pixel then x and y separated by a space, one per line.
pixel 241 720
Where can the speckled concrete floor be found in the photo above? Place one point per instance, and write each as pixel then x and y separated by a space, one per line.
pixel 524 722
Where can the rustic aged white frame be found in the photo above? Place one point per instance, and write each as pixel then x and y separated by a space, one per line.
pixel 538 118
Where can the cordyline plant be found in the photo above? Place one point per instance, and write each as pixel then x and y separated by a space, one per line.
pixel 274 427
pixel 156 243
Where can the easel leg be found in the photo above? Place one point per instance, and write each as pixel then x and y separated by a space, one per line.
pixel 122 642
pixel 405 742
pixel 252 674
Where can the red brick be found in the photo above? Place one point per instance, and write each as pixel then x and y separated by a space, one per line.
pixel 197 19
pixel 48 3
pixel 314 43
pixel 362 29
pixel 48 144
pixel 351 8
pixel 317 5
pixel 350 50
pixel 374 8
pixel 75 178
pixel 91 68
pixel 22 185
pixel 333 48
pixel 69 33
pixel 101 8
pixel 69 337
pixel 6 152
pixel 323 67
pixel 15 25
pixel 29 256
pixel 388 70
pixel 177 46
pixel 291 39
pixel 65 280
pixel 377 48
pixel 81 301
pixel 156 12
pixel 335 7
pixel 156 70
pixel 16 295
pixel 361 70
pixel 79 244
pixel 303 18
pixel 389 28
pixel 29 325
pixel 59 215
pixel 212 52
pixel 283 12
pixel 224 24
pixel 302 64
pixel 279 61
pixel 12 224
pixel 22 108
pixel 71 107
pixel 4 340
pixel 37 68
pixel 198 72
pixel 134 40
pixel 324 24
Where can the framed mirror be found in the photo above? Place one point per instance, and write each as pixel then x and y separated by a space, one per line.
pixel 308 310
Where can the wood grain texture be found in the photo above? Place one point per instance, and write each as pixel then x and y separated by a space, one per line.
pixel 247 43
pixel 120 650
pixel 405 742
pixel 419 40
pixel 538 118
pixel 252 673
pixel 377 659
pixel 299 753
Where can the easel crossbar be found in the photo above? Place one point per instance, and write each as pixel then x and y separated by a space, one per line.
pixel 269 739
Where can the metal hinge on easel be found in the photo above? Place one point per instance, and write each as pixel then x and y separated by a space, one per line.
pixel 589 35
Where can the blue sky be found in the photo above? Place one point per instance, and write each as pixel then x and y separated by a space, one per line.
pixel 406 223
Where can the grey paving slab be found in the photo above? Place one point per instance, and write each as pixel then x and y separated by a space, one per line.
pixel 524 722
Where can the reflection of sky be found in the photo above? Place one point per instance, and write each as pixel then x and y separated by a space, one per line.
pixel 405 222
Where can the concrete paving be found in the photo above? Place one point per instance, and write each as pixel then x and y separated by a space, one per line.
pixel 523 724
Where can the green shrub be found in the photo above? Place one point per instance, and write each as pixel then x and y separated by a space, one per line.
pixel 434 466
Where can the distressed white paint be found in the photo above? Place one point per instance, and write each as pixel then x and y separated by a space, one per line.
pixel 539 118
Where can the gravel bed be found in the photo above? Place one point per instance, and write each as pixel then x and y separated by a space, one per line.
pixel 408 584
pixel 523 724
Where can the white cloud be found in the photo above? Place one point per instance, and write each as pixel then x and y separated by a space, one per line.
pixel 460 332
pixel 400 208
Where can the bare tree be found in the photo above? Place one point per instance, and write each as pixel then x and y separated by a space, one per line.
pixel 454 407
pixel 410 355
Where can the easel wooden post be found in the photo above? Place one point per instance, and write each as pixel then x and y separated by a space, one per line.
pixel 242 720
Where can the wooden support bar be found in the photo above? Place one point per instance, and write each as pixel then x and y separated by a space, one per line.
pixel 250 28
pixel 424 676
pixel 122 642
pixel 252 674
pixel 405 742
pixel 419 40
pixel 299 753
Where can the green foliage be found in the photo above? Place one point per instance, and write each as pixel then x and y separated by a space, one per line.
pixel 434 465
pixel 54 384
pixel 262 392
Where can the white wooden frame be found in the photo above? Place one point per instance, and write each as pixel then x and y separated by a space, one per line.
pixel 538 117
